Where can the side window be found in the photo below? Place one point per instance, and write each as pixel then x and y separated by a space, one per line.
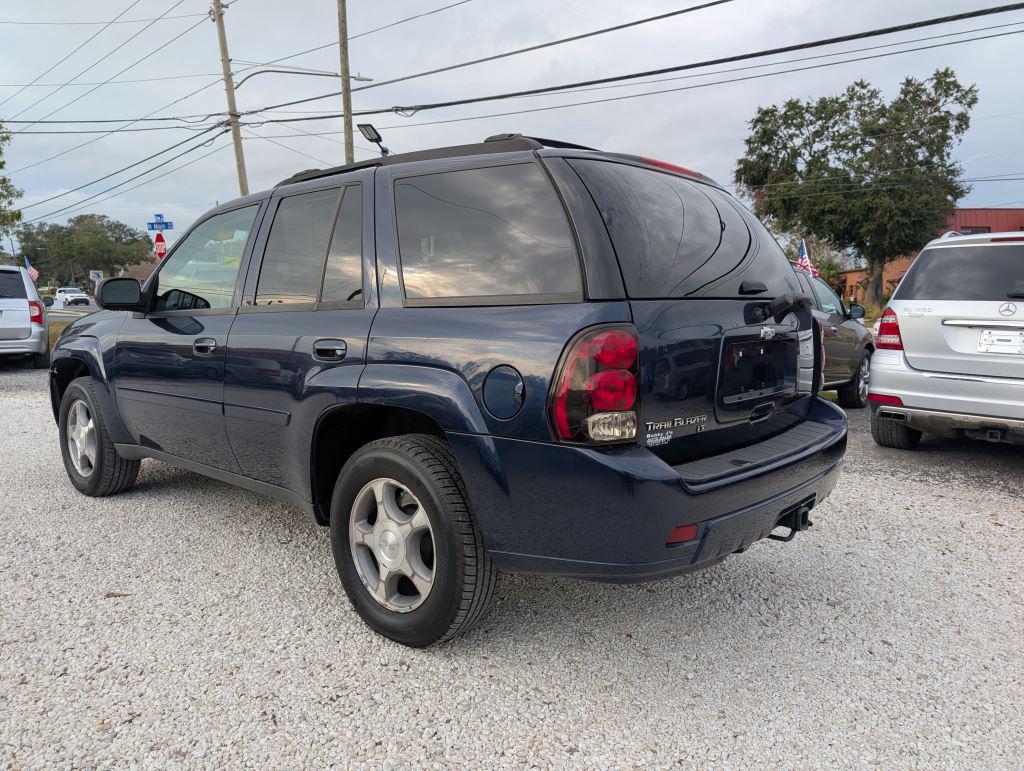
pixel 201 272
pixel 827 299
pixel 484 233
pixel 293 262
pixel 343 274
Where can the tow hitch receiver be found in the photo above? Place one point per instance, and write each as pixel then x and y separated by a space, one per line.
pixel 797 519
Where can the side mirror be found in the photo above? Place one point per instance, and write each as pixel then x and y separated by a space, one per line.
pixel 48 302
pixel 120 294
pixel 856 311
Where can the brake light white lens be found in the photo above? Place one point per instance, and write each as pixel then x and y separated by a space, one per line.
pixel 595 393
pixel 889 332
pixel 35 312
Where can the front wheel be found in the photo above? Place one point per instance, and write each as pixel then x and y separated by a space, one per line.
pixel 91 462
pixel 408 552
pixel 855 393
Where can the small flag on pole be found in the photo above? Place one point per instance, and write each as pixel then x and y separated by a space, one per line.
pixel 32 272
pixel 803 260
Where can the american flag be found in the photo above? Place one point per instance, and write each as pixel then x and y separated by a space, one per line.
pixel 803 260
pixel 32 272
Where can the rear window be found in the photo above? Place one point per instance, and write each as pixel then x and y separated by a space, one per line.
pixel 11 285
pixel 676 238
pixel 478 235
pixel 965 273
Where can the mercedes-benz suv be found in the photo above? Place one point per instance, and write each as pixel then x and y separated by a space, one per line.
pixel 950 345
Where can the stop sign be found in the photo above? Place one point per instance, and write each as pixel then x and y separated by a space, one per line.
pixel 160 248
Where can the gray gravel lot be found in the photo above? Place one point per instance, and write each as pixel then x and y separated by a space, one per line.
pixel 190 623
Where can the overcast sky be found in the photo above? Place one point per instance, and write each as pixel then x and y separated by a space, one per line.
pixel 703 127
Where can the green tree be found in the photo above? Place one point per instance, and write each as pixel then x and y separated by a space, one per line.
pixel 859 172
pixel 66 253
pixel 8 193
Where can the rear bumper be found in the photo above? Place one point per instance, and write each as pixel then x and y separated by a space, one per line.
pixel 36 342
pixel 935 401
pixel 606 515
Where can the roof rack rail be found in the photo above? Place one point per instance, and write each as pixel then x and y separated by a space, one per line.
pixel 950 234
pixel 499 143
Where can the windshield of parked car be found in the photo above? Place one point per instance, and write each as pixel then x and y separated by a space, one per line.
pixel 970 273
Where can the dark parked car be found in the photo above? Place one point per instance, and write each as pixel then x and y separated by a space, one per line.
pixel 848 343
pixel 452 359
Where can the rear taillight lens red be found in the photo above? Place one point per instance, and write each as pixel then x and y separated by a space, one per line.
pixel 889 332
pixel 594 398
pixel 35 312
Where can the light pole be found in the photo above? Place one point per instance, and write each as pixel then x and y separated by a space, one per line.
pixel 372 135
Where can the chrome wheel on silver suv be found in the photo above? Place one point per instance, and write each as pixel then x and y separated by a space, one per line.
pixel 392 545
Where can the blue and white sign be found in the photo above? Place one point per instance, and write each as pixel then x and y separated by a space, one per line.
pixel 159 223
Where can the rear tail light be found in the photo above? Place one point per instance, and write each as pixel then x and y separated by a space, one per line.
pixel 889 332
pixel 594 398
pixel 35 312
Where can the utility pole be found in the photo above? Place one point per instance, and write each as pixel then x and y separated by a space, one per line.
pixel 217 14
pixel 346 83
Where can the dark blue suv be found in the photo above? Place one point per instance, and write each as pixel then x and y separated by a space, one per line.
pixel 519 355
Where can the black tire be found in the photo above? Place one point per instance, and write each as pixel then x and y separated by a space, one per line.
pixel 891 433
pixel 854 395
pixel 464 578
pixel 41 360
pixel 110 474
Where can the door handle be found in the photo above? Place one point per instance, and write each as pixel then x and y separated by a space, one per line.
pixel 330 350
pixel 204 346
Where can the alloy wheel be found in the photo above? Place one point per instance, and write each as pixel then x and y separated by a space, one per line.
pixel 392 544
pixel 81 438
pixel 865 377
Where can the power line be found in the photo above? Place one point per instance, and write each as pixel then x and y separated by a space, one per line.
pixel 253 135
pixel 106 83
pixel 633 96
pixel 107 132
pixel 115 173
pixel 104 23
pixel 137 62
pixel 677 68
pixel 88 40
pixel 164 173
pixel 206 143
pixel 363 34
pixel 103 58
pixel 549 44
pixel 129 122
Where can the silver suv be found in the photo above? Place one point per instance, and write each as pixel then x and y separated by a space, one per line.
pixel 23 328
pixel 950 345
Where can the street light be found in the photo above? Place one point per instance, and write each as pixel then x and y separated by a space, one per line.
pixel 318 73
pixel 372 135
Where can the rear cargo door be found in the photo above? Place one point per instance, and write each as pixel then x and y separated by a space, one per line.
pixel 700 270
pixel 14 311
pixel 961 309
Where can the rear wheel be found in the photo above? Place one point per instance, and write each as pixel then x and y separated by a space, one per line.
pixel 855 393
pixel 408 552
pixel 41 360
pixel 892 433
pixel 92 463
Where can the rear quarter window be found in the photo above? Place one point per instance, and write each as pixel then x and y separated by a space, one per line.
pixel 968 273
pixel 677 238
pixel 12 286
pixel 483 236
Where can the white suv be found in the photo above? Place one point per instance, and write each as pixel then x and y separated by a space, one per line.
pixel 950 345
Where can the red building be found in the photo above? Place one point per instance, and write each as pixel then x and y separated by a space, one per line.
pixel 853 283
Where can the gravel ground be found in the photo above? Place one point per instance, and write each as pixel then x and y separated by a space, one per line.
pixel 190 623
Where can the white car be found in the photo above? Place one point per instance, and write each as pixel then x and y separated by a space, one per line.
pixel 950 345
pixel 70 295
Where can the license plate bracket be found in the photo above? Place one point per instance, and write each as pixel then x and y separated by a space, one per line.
pixel 1006 341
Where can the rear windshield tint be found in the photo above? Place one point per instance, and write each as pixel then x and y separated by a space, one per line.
pixel 967 273
pixel 12 285
pixel 676 238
